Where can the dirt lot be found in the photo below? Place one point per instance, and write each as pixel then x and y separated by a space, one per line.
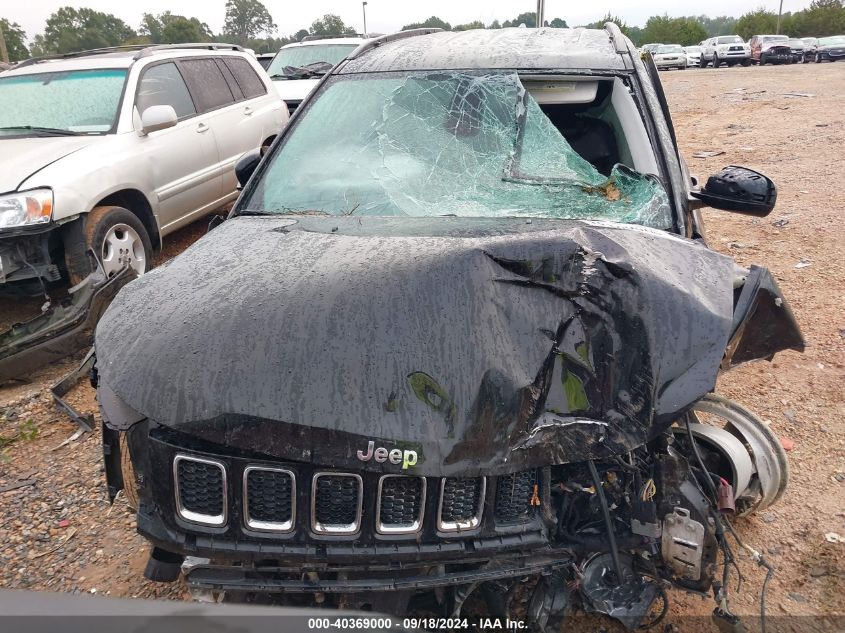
pixel 58 532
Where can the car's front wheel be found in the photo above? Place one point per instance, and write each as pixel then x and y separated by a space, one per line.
pixel 118 238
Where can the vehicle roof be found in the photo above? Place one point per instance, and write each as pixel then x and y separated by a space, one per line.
pixel 512 48
pixel 111 59
pixel 330 40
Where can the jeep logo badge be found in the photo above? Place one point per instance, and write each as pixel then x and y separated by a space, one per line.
pixel 381 455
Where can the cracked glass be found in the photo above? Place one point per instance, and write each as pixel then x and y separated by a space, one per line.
pixel 450 143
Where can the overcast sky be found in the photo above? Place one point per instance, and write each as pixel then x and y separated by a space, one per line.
pixel 389 15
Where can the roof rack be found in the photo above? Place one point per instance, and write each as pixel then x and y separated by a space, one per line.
pixel 314 38
pixel 391 37
pixel 93 51
pixel 208 46
pixel 143 51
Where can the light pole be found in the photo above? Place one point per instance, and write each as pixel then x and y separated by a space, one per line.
pixel 364 7
pixel 541 10
pixel 780 10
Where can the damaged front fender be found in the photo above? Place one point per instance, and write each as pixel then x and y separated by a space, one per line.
pixel 63 329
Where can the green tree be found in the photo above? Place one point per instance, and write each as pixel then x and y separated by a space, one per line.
pixel 468 26
pixel 246 19
pixel 167 28
pixel 330 24
pixel 558 23
pixel 666 30
pixel 720 25
pixel 68 30
pixel 15 40
pixel 529 19
pixel 431 23
pixel 823 17
pixel 759 22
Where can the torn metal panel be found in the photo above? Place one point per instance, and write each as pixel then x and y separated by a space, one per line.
pixel 485 345
pixel 63 387
pixel 62 330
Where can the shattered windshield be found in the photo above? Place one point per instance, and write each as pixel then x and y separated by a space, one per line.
pixel 435 144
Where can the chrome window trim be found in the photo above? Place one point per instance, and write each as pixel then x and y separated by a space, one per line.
pixel 269 526
pixel 346 529
pixel 461 526
pixel 414 527
pixel 217 520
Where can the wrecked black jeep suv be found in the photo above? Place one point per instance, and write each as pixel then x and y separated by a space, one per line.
pixel 456 341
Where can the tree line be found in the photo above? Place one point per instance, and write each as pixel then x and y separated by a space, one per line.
pixel 249 23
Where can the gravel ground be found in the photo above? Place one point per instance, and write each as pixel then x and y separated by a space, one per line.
pixel 58 532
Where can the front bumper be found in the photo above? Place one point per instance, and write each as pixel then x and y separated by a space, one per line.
pixel 781 56
pixel 832 55
pixel 26 254
pixel 275 559
pixel 671 63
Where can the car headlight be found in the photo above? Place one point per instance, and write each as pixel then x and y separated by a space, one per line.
pixel 26 208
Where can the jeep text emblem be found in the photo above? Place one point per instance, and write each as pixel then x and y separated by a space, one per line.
pixel 381 455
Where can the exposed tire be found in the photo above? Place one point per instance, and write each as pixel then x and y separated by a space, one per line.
pixel 746 63
pixel 762 60
pixel 818 58
pixel 715 60
pixel 130 487
pixel 118 238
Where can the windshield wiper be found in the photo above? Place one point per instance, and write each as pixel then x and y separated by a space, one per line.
pixel 56 131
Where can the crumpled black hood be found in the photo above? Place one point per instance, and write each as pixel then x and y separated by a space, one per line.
pixel 484 345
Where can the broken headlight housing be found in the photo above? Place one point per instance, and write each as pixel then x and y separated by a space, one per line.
pixel 26 208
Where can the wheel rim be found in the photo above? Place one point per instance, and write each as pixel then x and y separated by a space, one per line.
pixel 123 246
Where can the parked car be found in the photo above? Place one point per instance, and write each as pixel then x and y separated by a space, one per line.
pixel 770 49
pixel 796 47
pixel 810 44
pixel 457 335
pixel 693 55
pixel 725 49
pixel 830 49
pixel 114 149
pixel 670 56
pixel 298 68
pixel 650 48
pixel 265 59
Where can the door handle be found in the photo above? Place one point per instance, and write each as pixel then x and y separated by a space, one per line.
pixel 248 111
pixel 202 127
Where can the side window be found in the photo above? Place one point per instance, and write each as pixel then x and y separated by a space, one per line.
pixel 230 79
pixel 248 80
pixel 162 84
pixel 207 84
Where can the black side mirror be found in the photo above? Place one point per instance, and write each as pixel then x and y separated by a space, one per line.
pixel 246 165
pixel 215 221
pixel 739 189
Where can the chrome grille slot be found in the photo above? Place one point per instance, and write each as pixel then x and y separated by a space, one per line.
pixel 269 495
pixel 200 488
pixel 461 504
pixel 401 501
pixel 336 500
pixel 514 494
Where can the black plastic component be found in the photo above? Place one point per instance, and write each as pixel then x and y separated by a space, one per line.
pixel 163 566
pixel 401 501
pixel 336 500
pixel 246 166
pixel 270 496
pixel 514 494
pixel 200 487
pixel 461 497
pixel 739 189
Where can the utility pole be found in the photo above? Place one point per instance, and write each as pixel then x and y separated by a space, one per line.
pixel 364 7
pixel 541 11
pixel 4 54
pixel 780 11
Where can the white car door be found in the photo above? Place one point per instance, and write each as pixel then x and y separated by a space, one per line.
pixel 256 114
pixel 180 159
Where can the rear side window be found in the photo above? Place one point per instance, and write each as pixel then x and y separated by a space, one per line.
pixel 162 84
pixel 248 79
pixel 207 83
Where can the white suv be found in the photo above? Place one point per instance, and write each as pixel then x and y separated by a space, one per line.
pixel 113 149
pixel 725 49
pixel 297 68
